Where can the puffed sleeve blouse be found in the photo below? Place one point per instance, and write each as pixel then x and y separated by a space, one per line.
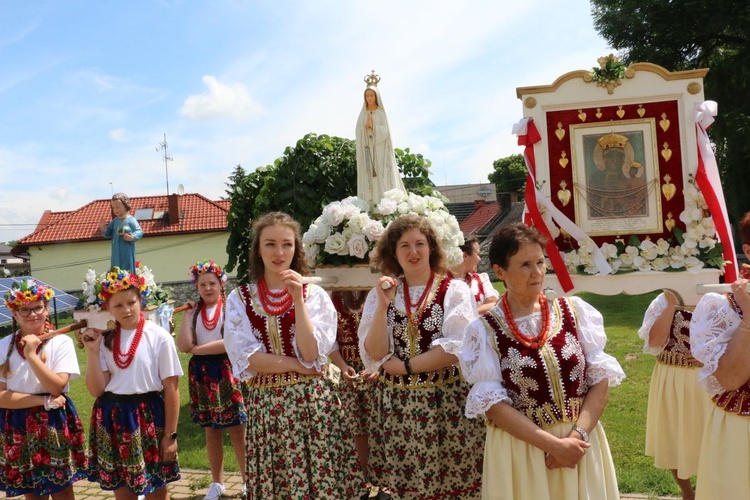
pixel 655 309
pixel 713 325
pixel 242 340
pixel 480 363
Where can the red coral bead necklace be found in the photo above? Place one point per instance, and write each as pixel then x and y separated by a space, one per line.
pixel 414 318
pixel 210 323
pixel 527 340
pixel 274 303
pixel 124 360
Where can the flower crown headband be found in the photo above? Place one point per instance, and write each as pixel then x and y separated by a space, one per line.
pixel 207 267
pixel 26 292
pixel 118 280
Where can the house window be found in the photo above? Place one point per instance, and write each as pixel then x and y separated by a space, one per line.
pixel 144 214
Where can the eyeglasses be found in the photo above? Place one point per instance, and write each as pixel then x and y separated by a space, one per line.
pixel 25 312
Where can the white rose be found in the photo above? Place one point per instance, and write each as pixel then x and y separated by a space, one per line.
pixel 336 244
pixel 357 246
pixel 395 194
pixel 335 213
pixel 361 204
pixel 387 206
pixel 309 237
pixel 418 204
pixel 403 208
pixel 373 230
pixel 454 256
pixel 322 231
pixel 357 222
pixel 311 253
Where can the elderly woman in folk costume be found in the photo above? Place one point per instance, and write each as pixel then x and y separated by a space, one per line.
pixel 412 328
pixel 44 446
pixel 278 332
pixel 720 339
pixel 540 379
pixel 216 400
pixel 377 170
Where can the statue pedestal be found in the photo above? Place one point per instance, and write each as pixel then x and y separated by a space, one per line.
pixel 358 277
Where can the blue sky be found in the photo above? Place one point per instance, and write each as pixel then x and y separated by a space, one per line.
pixel 88 88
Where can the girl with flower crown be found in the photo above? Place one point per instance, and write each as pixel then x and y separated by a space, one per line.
pixel 42 436
pixel 540 379
pixel 132 371
pixel 216 401
pixel 278 332
pixel 412 329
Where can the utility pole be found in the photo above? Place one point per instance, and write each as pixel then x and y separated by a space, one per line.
pixel 167 159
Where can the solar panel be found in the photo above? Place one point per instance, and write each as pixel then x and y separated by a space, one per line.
pixel 60 303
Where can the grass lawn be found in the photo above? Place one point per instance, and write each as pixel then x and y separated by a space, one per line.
pixel 624 418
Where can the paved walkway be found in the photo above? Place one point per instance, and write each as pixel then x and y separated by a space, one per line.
pixel 194 485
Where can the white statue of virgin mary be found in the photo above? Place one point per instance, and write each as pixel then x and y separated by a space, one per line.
pixel 377 171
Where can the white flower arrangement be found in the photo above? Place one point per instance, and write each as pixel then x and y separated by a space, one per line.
pixel 347 230
pixel 694 248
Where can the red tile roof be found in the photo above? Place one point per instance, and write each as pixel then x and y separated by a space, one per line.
pixel 197 214
pixel 482 214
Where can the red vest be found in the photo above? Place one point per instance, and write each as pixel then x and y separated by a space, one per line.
pixel 346 332
pixel 478 291
pixel 410 340
pixel 738 400
pixel 676 351
pixel 547 384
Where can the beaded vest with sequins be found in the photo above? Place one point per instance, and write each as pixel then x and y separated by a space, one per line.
pixel 548 384
pixel 346 333
pixel 676 352
pixel 738 400
pixel 410 340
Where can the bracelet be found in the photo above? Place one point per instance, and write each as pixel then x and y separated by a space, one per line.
pixel 408 368
pixel 584 434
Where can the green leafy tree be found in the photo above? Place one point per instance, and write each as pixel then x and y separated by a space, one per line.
pixel 509 175
pixel 690 34
pixel 315 171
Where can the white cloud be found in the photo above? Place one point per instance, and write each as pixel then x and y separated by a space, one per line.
pixel 118 135
pixel 222 100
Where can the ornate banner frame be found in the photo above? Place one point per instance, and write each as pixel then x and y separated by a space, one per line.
pixel 619 195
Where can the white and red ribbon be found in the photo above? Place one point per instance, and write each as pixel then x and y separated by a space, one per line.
pixel 528 135
pixel 709 182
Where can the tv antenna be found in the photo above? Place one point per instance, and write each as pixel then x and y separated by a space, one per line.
pixel 167 159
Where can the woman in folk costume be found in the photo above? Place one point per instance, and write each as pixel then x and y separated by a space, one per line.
pixel 412 329
pixel 44 448
pixel 482 290
pixel 540 378
pixel 216 401
pixel 278 332
pixel 377 170
pixel 720 339
pixel 677 404
pixel 355 390
pixel 132 372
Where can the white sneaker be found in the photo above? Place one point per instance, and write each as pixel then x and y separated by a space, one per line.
pixel 215 491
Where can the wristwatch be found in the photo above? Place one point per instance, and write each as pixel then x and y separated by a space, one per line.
pixel 584 434
pixel 173 436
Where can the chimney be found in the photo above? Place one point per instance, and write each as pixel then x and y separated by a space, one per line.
pixel 479 204
pixel 173 208
pixel 504 201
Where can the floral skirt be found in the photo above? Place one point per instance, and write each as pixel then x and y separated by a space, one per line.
pixel 677 410
pixel 297 444
pixel 44 451
pixel 124 438
pixel 724 465
pixel 421 444
pixel 357 402
pixel 514 469
pixel 216 398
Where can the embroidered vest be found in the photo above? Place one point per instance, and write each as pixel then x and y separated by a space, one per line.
pixel 346 332
pixel 410 340
pixel 276 334
pixel 738 400
pixel 677 350
pixel 547 384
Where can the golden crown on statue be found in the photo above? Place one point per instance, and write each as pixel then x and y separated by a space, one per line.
pixel 612 140
pixel 372 79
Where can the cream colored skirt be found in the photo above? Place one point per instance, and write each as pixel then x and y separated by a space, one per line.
pixel 514 469
pixel 677 410
pixel 724 466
